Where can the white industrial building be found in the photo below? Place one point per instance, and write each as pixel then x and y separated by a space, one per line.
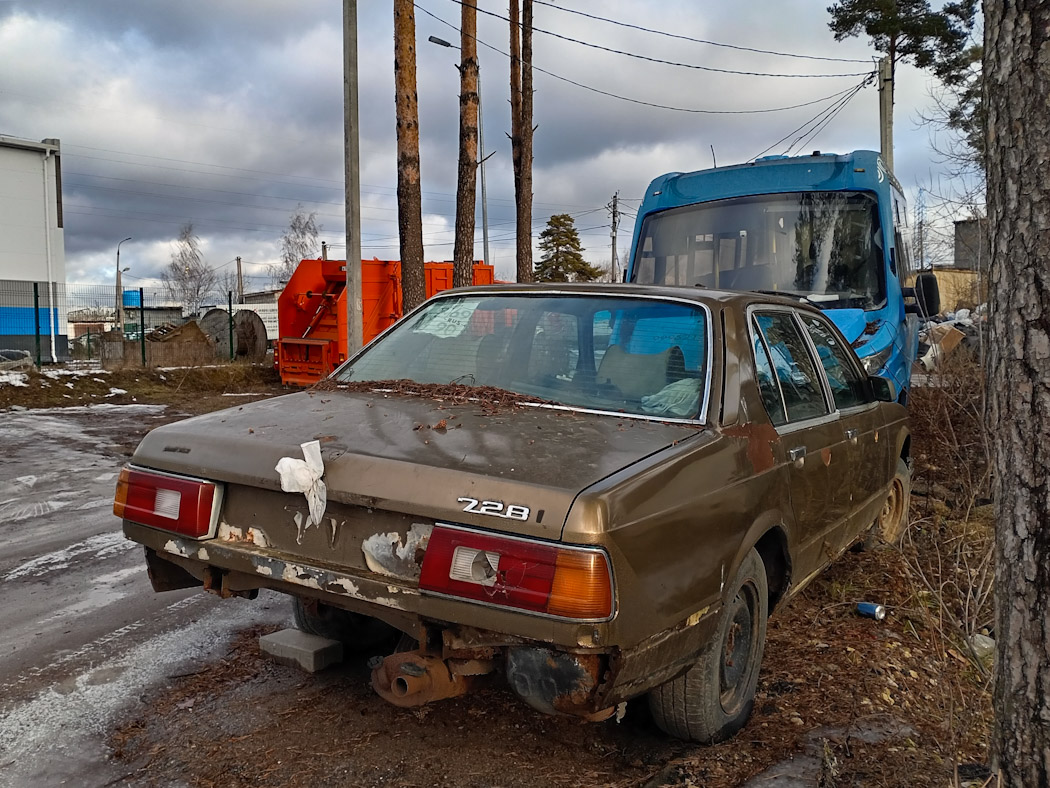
pixel 32 247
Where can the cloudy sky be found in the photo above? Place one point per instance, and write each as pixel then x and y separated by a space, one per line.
pixel 228 113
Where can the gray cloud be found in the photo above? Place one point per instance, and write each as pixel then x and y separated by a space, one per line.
pixel 229 113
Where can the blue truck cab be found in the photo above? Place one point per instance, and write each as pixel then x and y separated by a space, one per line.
pixel 827 229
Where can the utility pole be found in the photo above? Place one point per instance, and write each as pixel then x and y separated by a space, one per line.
pixel 615 224
pixel 481 165
pixel 240 283
pixel 352 167
pixel 120 291
pixel 886 111
pixel 920 222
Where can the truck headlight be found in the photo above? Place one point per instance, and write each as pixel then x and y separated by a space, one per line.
pixel 876 361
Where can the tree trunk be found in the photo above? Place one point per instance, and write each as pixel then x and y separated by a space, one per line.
pixel 466 189
pixel 524 197
pixel 1017 87
pixel 515 124
pixel 409 197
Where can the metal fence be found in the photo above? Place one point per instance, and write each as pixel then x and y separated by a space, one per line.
pixel 61 322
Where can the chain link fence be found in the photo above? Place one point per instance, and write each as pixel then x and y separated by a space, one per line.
pixel 60 322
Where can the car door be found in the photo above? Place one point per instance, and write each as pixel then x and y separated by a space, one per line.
pixel 809 430
pixel 859 419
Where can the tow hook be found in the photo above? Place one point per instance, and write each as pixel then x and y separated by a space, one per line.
pixel 412 678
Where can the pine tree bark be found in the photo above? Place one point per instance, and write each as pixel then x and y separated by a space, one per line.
pixel 466 188
pixel 513 14
pixel 524 199
pixel 1017 96
pixel 521 132
pixel 409 195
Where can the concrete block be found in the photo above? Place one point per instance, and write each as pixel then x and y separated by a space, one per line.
pixel 299 649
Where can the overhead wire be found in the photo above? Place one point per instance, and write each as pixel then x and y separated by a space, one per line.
pixel 641 102
pixel 662 61
pixel 834 108
pixel 696 40
pixel 802 140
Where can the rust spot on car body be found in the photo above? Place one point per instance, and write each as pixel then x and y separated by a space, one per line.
pixel 761 437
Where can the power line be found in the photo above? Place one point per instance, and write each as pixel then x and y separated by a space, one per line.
pixel 801 141
pixel 696 40
pixel 661 61
pixel 640 102
pixel 834 108
pixel 383 191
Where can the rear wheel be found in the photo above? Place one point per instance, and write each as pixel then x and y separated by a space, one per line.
pixel 355 631
pixel 712 700
pixel 893 518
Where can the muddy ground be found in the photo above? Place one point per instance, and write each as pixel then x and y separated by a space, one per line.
pixel 246 721
pixel 830 678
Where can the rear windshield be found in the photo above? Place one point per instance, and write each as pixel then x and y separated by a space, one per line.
pixel 624 355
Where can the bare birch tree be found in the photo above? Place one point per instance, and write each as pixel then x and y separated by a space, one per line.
pixel 299 242
pixel 188 279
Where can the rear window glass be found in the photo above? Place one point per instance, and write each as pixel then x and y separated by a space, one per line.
pixel 638 356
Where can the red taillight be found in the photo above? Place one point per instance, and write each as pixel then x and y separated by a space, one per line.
pixel 569 583
pixel 171 503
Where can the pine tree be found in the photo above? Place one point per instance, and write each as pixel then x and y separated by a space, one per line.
pixel 562 259
pixel 909 31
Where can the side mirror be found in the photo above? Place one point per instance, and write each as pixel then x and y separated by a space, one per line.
pixel 927 295
pixel 883 389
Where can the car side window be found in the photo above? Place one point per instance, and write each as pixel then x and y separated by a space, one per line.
pixel 793 365
pixel 767 383
pixel 848 386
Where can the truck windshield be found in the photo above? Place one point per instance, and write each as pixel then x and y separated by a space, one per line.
pixel 825 246
pixel 645 357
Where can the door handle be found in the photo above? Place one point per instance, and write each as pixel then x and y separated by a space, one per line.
pixel 797 453
pixel 852 434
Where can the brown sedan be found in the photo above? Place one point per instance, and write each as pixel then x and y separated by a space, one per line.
pixel 596 491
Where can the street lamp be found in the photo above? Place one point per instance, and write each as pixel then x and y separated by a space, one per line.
pixel 120 291
pixel 481 155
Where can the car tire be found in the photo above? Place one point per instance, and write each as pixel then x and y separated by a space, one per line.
pixel 889 526
pixel 713 699
pixel 355 631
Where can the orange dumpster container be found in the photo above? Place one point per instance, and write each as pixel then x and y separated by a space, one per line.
pixel 311 311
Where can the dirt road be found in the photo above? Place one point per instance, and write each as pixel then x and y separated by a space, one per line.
pixel 84 634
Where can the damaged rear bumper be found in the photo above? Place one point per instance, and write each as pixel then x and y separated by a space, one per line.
pixel 558 667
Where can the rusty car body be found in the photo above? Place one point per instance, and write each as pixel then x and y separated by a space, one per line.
pixel 599 491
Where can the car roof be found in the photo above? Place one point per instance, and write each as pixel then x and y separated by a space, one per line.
pixel 739 299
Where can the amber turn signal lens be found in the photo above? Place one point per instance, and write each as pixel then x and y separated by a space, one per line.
pixel 582 587
pixel 120 497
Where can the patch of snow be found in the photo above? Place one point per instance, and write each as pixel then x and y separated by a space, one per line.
pixel 114 392
pixel 14 379
pixel 100 546
pixel 57 372
pixel 60 726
